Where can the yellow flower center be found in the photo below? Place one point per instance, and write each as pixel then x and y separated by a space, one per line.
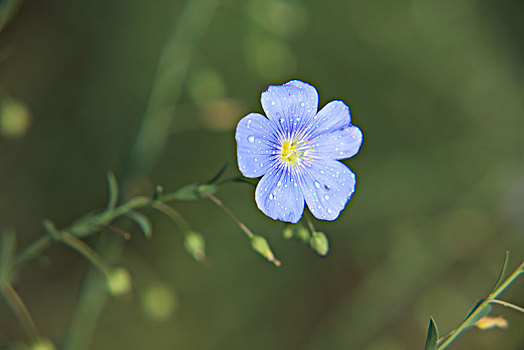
pixel 293 151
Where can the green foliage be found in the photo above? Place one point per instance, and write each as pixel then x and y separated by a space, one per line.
pixel 7 256
pixel 195 191
pixel 143 222
pixel 432 338
pixel 113 191
pixel 8 9
pixel 479 310
pixel 302 234
pixel 502 271
pixel 86 72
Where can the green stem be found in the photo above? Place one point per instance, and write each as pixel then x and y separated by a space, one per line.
pixel 240 224
pixel 86 251
pixel 174 215
pixel 20 310
pixel 172 68
pixel 507 282
pixel 493 295
pixel 310 224
pixel 506 304
pixel 8 9
pixel 89 224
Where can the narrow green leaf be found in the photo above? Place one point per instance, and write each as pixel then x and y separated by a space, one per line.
pixel 143 222
pixel 51 230
pixel 187 192
pixel 244 180
pixel 432 338
pixel 502 271
pixel 486 309
pixel 7 256
pixel 8 9
pixel 113 191
pixel 218 175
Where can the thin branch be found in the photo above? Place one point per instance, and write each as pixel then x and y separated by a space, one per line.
pixel 472 316
pixel 86 251
pixel 240 224
pixel 20 310
pixel 506 304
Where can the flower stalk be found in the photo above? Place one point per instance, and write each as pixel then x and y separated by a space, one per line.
pixel 20 310
pixel 91 223
pixel 258 243
pixel 482 307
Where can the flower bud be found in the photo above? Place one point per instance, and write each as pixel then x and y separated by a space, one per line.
pixel 261 246
pixel 159 302
pixel 319 243
pixel 42 344
pixel 288 232
pixel 15 118
pixel 302 233
pixel 195 245
pixel 119 282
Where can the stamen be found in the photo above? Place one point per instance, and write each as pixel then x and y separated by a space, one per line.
pixel 293 151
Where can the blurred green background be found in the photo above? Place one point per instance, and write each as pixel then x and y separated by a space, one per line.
pixel 153 90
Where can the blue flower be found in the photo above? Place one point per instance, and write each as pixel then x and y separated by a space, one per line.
pixel 296 149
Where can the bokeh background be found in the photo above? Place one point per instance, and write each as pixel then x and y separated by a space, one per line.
pixel 153 90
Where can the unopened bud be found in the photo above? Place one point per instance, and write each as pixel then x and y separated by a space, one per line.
pixel 42 344
pixel 302 233
pixel 15 118
pixel 261 246
pixel 319 243
pixel 119 282
pixel 195 245
pixel 288 232
pixel 159 302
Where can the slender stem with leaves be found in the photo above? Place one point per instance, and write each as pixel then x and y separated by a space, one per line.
pixel 479 311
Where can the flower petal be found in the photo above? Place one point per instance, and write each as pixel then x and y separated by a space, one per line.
pixel 327 186
pixel 255 145
pixel 290 104
pixel 339 144
pixel 333 116
pixel 278 195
